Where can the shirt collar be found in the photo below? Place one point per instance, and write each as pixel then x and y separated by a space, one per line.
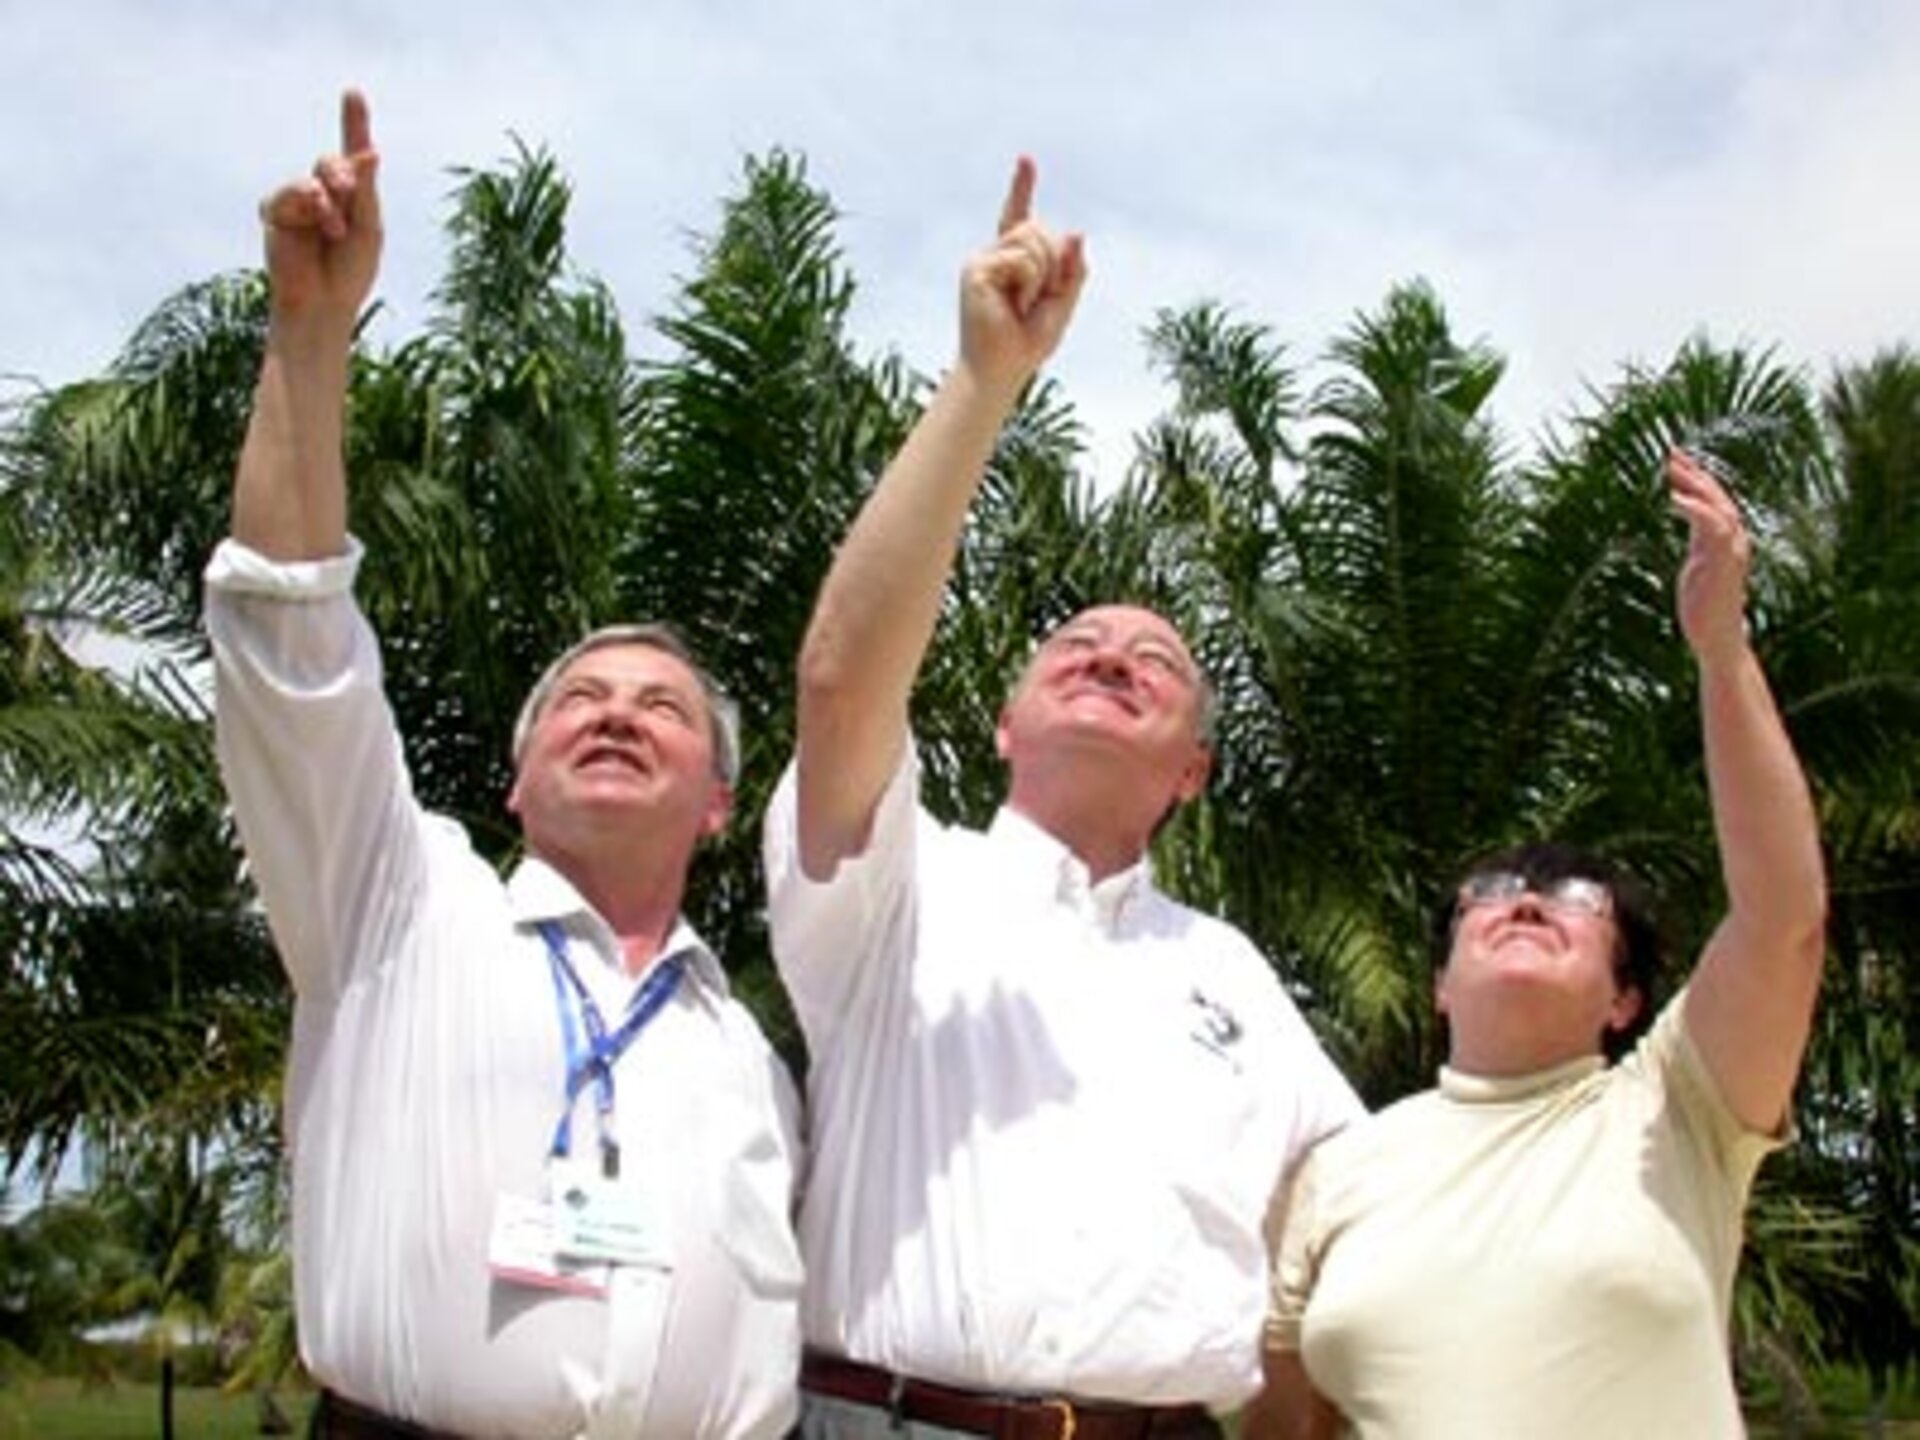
pixel 536 892
pixel 1468 1089
pixel 1063 877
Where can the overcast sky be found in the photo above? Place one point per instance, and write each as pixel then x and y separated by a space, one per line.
pixel 1583 184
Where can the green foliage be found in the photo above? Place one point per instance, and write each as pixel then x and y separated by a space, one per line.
pixel 123 1408
pixel 751 445
pixel 488 486
pixel 1426 650
pixel 59 1262
pixel 1030 558
pixel 1424 646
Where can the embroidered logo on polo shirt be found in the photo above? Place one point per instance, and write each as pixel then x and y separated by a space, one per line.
pixel 1215 1027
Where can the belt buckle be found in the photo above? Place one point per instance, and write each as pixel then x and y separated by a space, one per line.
pixel 1068 1422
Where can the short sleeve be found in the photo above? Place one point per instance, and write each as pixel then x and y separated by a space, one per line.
pixel 828 936
pixel 1293 1236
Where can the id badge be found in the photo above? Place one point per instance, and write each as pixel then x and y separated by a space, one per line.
pixel 523 1250
pixel 601 1221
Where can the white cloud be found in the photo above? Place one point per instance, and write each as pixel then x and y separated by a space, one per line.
pixel 1582 185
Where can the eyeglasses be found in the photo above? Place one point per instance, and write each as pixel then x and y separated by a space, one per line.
pixel 1569 895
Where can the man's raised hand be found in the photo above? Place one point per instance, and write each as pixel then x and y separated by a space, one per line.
pixel 1018 295
pixel 323 231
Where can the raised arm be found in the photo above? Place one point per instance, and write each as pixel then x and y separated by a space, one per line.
pixel 1750 1002
pixel 878 605
pixel 323 250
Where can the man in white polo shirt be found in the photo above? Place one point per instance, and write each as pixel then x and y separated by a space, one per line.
pixel 1049 1104
pixel 542 1162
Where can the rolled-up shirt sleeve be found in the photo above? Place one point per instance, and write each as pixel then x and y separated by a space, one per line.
pixel 311 760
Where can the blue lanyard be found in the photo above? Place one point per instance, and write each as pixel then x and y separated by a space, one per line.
pixel 593 1061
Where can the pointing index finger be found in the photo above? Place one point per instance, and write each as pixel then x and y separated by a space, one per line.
pixel 1019 202
pixel 356 144
pixel 356 124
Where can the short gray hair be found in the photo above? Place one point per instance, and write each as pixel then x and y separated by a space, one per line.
pixel 723 716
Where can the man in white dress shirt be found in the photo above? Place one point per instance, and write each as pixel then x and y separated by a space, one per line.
pixel 1050 1104
pixel 542 1160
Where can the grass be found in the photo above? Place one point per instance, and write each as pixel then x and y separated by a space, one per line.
pixel 1844 1400
pixel 65 1410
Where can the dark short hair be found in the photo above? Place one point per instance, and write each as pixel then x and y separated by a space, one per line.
pixel 1638 948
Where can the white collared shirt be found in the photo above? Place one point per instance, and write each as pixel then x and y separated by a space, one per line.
pixel 1047 1116
pixel 426 1078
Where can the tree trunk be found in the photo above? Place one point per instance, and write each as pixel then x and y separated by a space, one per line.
pixel 166 1396
pixel 273 1419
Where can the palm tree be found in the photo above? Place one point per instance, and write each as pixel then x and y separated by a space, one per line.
pixel 1424 646
pixel 1426 650
pixel 1856 676
pixel 60 1260
pixel 142 999
pixel 1349 609
pixel 486 477
pixel 753 440
pixel 516 479
pixel 93 764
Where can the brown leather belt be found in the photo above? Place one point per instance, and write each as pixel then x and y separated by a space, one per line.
pixel 1004 1417
pixel 337 1418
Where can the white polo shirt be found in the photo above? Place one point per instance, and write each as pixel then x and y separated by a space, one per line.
pixel 427 1069
pixel 1046 1116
